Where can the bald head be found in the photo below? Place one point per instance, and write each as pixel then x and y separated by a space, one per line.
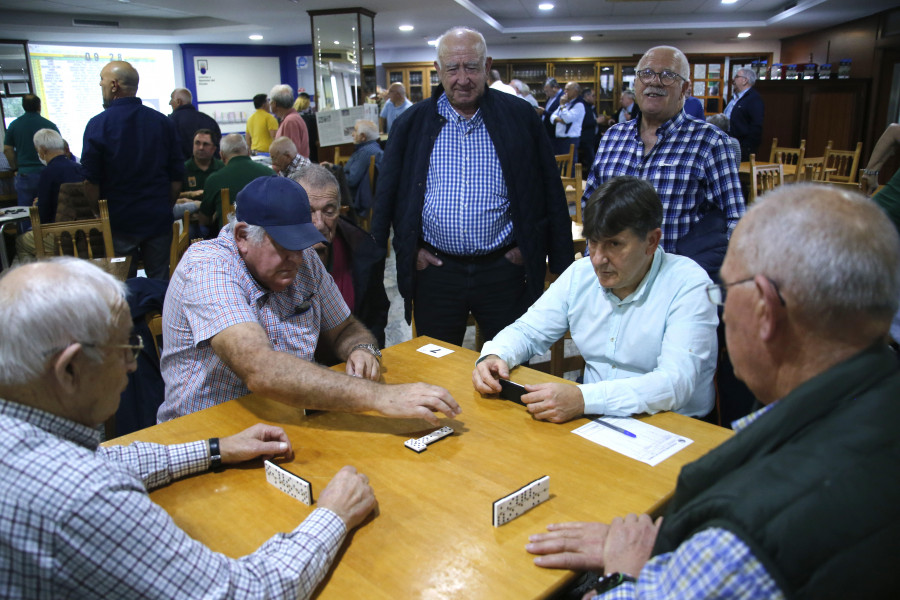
pixel 118 79
pixel 234 144
pixel 180 97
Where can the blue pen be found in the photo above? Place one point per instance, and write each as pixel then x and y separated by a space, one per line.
pixel 615 428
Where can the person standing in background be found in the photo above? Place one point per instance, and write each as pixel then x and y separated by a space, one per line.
pixel 261 126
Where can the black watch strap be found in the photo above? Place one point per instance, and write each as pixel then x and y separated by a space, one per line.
pixel 613 580
pixel 215 456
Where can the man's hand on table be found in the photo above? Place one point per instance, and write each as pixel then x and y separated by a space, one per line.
pixel 362 363
pixel 487 374
pixel 415 400
pixel 259 441
pixel 349 496
pixel 577 546
pixel 554 402
pixel 629 543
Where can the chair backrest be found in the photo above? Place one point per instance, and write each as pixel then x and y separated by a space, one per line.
pixel 181 239
pixel 786 155
pixel 155 324
pixel 338 158
pixel 565 162
pixel 765 178
pixel 845 164
pixel 227 207
pixel 87 238
pixel 365 222
pixel 74 204
pixel 810 169
pixel 574 187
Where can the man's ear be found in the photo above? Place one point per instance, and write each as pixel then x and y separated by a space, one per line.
pixel 653 240
pixel 769 308
pixel 488 61
pixel 65 368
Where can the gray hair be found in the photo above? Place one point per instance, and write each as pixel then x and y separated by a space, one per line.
pixel 282 96
pixel 367 129
pixel 551 82
pixel 834 255
pixel 183 94
pixel 720 121
pixel 283 145
pixel 49 140
pixel 682 66
pixel 629 93
pixel 750 74
pixel 234 144
pixel 256 234
pixel 49 304
pixel 316 177
pixel 480 45
pixel 520 86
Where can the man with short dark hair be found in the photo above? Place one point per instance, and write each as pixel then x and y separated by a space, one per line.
pixel 76 520
pixel 261 126
pixel 646 332
pixel 246 311
pixel 188 120
pixel 18 146
pixel 131 157
pixel 469 183
pixel 690 163
pixel 281 99
pixel 803 498
pixel 202 162
pixel 239 170
pixel 745 112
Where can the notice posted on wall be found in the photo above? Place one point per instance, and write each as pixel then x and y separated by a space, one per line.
pixel 336 126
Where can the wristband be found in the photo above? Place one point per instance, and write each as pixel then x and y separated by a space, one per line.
pixel 613 580
pixel 871 171
pixel 215 456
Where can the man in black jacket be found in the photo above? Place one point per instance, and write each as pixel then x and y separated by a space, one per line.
pixel 746 112
pixel 469 183
pixel 803 499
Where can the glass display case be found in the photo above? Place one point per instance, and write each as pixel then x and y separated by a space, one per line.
pixel 343 43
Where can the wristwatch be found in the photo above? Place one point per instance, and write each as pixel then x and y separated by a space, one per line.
pixel 871 171
pixel 370 348
pixel 608 582
pixel 215 455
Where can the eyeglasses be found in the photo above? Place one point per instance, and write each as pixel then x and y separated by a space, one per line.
pixel 135 344
pixel 716 292
pixel 666 77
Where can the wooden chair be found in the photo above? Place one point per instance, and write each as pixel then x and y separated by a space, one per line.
pixel 565 161
pixel 181 239
pixel 338 158
pixel 810 169
pixel 786 155
pixel 574 187
pixel 366 222
pixel 84 239
pixel 227 207
pixel 764 178
pixel 845 164
pixel 155 324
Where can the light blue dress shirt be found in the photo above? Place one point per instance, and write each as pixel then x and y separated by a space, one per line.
pixel 655 350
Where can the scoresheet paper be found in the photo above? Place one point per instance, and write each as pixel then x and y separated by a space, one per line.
pixel 650 444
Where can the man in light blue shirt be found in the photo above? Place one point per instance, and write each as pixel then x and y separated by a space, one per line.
pixel 645 329
pixel 396 103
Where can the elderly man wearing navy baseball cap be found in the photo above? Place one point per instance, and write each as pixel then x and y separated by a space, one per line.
pixel 245 312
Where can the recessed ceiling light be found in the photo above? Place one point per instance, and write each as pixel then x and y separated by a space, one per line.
pixel 432 42
pixel 545 6
pixel 337 43
pixel 256 36
pixel 406 28
pixel 744 34
pixel 576 38
pixel 729 1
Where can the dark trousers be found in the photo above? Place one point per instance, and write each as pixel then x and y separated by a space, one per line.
pixel 562 146
pixel 493 291
pixel 154 251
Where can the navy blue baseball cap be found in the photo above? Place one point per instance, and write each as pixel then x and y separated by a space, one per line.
pixel 280 206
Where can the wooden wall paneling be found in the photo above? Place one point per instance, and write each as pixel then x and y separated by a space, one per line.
pixel 834 113
pixel 782 119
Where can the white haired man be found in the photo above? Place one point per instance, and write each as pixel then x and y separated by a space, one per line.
pixel 189 120
pixel 691 164
pixel 75 519
pixel 745 112
pixel 239 170
pixel 394 106
pixel 285 158
pixel 804 497
pixel 281 100
pixel 365 136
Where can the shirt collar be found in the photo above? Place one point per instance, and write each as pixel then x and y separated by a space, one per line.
pixel 87 437
pixel 445 110
pixel 646 283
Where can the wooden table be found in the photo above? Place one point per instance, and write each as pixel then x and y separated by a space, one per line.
pixel 117 267
pixel 433 537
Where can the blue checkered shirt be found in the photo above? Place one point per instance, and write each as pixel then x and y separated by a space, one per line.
pixel 210 291
pixel 466 202
pixel 692 166
pixel 713 563
pixel 76 522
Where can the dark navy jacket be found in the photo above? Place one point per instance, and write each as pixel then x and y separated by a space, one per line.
pixel 747 121
pixel 540 215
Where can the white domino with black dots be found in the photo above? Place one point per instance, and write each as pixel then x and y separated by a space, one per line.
pixel 292 485
pixel 421 444
pixel 521 501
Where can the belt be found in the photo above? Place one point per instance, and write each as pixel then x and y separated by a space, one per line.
pixel 472 259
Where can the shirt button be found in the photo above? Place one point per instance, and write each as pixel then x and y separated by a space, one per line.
pixel 612 339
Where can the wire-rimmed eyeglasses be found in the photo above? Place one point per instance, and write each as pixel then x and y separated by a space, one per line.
pixel 716 292
pixel 666 77
pixel 135 344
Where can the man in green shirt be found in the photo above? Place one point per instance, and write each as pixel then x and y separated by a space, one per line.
pixel 239 170
pixel 197 168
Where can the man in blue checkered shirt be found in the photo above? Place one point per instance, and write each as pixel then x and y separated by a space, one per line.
pixel 802 501
pixel 470 185
pixel 689 162
pixel 75 518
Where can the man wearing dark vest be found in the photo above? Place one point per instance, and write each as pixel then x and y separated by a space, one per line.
pixel 802 501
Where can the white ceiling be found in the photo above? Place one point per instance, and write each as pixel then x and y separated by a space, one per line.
pixel 502 22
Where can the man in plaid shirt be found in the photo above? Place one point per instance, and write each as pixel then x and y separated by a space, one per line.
pixel 689 162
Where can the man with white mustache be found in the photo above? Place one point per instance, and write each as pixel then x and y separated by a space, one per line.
pixel 691 164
